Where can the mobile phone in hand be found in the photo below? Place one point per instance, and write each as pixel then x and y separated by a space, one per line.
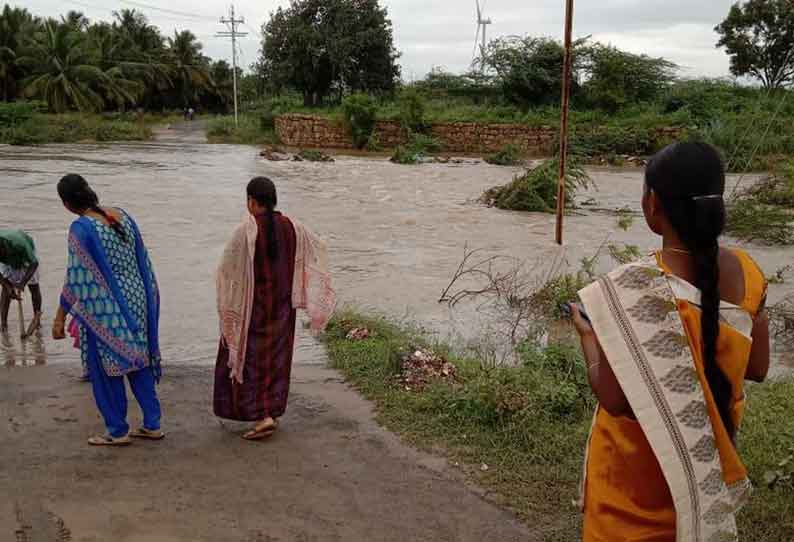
pixel 566 309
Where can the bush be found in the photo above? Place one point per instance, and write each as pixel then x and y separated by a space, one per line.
pixel 536 190
pixel 509 155
pixel 15 113
pixel 360 112
pixel 412 110
pixel 249 132
pixel 271 109
pixel 418 146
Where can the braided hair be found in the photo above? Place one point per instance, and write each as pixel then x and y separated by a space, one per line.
pixel 689 181
pixel 79 196
pixel 263 191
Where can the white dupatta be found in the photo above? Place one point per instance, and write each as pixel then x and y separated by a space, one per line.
pixel 634 314
pixel 311 286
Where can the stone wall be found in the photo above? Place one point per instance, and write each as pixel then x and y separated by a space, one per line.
pixel 307 131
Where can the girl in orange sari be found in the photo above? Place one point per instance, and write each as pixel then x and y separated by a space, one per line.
pixel 669 343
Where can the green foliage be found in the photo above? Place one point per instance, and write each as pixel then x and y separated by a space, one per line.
pixel 412 110
pixel 249 132
pixel 76 64
pixel 314 46
pixel 418 146
pixel 765 211
pixel 272 108
pixel 766 448
pixel 617 78
pixel 360 111
pixel 313 155
pixel 528 70
pixel 750 220
pixel 625 219
pixel 14 113
pixel 536 190
pixel 759 37
pixel 509 155
pixel 73 128
pixel 558 290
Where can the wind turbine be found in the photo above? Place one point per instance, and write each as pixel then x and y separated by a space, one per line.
pixel 482 28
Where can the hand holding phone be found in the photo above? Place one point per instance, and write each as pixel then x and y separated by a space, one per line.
pixel 567 311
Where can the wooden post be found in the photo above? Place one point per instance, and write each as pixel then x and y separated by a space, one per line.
pixel 567 68
pixel 21 312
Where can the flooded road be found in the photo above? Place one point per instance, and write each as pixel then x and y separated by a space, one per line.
pixel 396 233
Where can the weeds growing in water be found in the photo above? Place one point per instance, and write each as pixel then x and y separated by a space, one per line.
pixel 509 155
pixel 418 147
pixel 765 211
pixel 625 219
pixel 536 190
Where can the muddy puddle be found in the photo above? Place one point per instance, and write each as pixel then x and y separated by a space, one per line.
pixel 397 233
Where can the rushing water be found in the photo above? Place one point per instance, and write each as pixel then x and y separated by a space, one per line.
pixel 396 233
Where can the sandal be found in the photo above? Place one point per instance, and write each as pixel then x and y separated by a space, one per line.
pixel 261 433
pixel 148 434
pixel 107 440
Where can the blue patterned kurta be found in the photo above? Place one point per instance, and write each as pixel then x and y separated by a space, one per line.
pixel 106 288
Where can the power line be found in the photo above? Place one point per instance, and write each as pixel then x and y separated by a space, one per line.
pixel 171 11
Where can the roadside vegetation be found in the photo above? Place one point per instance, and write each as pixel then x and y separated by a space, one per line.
pixel 520 430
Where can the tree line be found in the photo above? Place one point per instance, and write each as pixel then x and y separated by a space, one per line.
pixel 72 63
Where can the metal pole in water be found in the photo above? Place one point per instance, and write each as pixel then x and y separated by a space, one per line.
pixel 566 99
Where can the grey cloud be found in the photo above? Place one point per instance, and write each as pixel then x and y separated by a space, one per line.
pixel 441 32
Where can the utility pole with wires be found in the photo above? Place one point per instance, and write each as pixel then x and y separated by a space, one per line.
pixel 231 23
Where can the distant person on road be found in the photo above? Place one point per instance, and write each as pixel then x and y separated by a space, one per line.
pixel 190 113
pixel 19 269
pixel 670 341
pixel 111 291
pixel 271 267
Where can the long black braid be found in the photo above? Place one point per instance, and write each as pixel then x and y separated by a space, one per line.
pixel 80 197
pixel 263 191
pixel 689 180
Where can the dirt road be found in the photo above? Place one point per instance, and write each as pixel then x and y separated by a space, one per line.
pixel 331 474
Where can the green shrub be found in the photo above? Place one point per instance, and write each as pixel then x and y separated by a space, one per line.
pixel 15 113
pixel 272 108
pixel 509 155
pixel 360 112
pixel 418 146
pixel 412 110
pixel 536 190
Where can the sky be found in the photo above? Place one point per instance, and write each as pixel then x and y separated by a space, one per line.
pixel 440 33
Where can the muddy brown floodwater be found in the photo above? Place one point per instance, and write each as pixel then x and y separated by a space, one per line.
pixel 396 233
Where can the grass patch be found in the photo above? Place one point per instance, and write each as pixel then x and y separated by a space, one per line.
pixel 536 190
pixel 251 131
pixel 518 431
pixel 521 431
pixel 39 129
pixel 766 442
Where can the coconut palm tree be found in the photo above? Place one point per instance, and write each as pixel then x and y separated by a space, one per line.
pixel 62 72
pixel 14 22
pixel 190 69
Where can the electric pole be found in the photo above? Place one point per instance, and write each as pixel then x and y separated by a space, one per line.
pixel 231 23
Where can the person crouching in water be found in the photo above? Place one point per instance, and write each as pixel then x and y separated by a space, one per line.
pixel 271 267
pixel 19 268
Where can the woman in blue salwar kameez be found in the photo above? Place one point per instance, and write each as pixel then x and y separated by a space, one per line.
pixel 111 291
